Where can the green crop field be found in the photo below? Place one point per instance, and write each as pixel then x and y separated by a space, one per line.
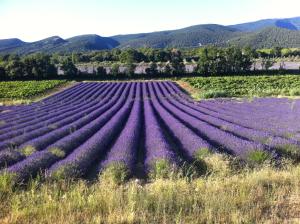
pixel 246 86
pixel 26 89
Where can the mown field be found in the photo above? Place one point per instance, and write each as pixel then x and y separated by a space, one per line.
pixel 130 152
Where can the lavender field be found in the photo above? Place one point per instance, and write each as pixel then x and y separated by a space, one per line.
pixel 86 128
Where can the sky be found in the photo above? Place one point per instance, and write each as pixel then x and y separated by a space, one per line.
pixel 32 20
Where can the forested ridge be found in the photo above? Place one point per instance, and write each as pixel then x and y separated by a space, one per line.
pixel 260 34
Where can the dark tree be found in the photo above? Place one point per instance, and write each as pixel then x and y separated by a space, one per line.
pixel 101 71
pixel 131 56
pixel 115 69
pixel 167 70
pixel 39 66
pixel 276 52
pixel 214 61
pixel 2 73
pixel 15 69
pixel 69 68
pixel 152 69
pixel 130 71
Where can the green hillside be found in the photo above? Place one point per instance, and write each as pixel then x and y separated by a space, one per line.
pixel 268 38
pixel 260 34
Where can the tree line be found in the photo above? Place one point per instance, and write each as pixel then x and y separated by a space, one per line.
pixel 36 66
pixel 131 55
pixel 209 60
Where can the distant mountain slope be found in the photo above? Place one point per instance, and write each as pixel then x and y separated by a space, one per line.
pixel 88 43
pixel 53 44
pixel 268 38
pixel 291 24
pixel 45 45
pixel 10 43
pixel 260 34
pixel 193 36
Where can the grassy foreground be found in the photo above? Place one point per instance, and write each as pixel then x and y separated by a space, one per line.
pixel 245 86
pixel 261 195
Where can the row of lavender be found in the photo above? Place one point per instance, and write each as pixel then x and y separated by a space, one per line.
pixel 92 125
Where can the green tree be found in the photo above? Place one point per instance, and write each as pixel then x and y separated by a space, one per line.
pixel 176 62
pixel 152 69
pixel 267 63
pixel 250 52
pixel 115 69
pixel 39 66
pixel 15 69
pixel 276 51
pixel 237 60
pixel 75 57
pixel 167 69
pixel 177 68
pixel 204 61
pixel 130 71
pixel 69 68
pixel 213 60
pixel 130 56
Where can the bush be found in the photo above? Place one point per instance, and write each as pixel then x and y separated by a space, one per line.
pixel 294 92
pixel 117 173
pixel 258 157
pixel 162 169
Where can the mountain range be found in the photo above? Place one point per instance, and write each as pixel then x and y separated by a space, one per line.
pixel 259 34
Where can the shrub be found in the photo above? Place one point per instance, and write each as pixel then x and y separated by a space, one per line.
pixel 294 92
pixel 162 169
pixel 116 173
pixel 258 157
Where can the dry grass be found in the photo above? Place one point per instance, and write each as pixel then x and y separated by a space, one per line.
pixel 193 92
pixel 265 195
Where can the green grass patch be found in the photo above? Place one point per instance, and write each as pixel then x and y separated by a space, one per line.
pixel 7 182
pixel 258 157
pixel 203 153
pixel 57 152
pixel 162 169
pixel 116 173
pixel 64 172
pixel 246 86
pixel 28 150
